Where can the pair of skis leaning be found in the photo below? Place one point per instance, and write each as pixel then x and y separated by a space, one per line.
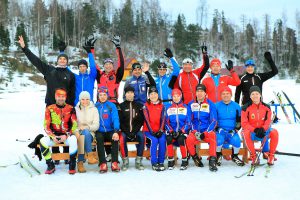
pixel 28 166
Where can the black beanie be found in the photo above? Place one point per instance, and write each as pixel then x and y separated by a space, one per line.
pixel 254 88
pixel 201 87
pixel 152 89
pixel 82 62
pixel 63 55
pixel 128 88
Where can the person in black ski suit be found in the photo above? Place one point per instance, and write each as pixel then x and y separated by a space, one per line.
pixel 251 78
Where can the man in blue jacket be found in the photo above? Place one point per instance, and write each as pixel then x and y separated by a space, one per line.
pixel 139 82
pixel 108 130
pixel 164 84
pixel 229 123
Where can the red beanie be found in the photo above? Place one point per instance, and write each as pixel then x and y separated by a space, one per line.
pixel 176 91
pixel 227 89
pixel 215 61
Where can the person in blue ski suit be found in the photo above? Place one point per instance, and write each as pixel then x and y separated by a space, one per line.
pixel 164 82
pixel 140 82
pixel 229 123
pixel 108 130
pixel 177 127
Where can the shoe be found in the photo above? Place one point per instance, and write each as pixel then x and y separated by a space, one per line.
pixel 219 158
pixel 197 161
pixel 237 160
pixel 171 163
pixel 125 164
pixel 271 159
pixel 72 166
pixel 213 164
pixel 184 164
pixel 91 158
pixel 108 158
pixel 138 163
pixel 155 167
pixel 103 168
pixel 115 167
pixel 80 167
pixel 56 162
pixel 161 167
pixel 50 167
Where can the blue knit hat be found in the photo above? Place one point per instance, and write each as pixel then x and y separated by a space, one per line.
pixel 250 62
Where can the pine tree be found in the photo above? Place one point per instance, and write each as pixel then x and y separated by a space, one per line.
pixel 126 21
pixel 179 35
pixel 250 36
pixel 21 32
pixel 103 20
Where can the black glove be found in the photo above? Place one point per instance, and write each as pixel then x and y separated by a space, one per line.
pixel 260 132
pixel 204 49
pixel 62 46
pixel 175 134
pixel 90 41
pixel 199 136
pixel 33 145
pixel 268 56
pixel 168 53
pixel 229 66
pixel 131 136
pixel 117 41
pixel 87 48
pixel 158 134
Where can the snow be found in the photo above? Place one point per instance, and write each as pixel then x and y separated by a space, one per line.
pixel 21 116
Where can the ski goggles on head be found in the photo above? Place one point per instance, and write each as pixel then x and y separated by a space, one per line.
pixel 103 89
pixel 136 66
pixel 108 60
pixel 162 66
pixel 187 61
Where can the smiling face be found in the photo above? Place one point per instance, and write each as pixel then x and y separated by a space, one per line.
pixel 137 72
pixel 62 61
pixel 60 99
pixel 226 97
pixel 176 98
pixel 255 97
pixel 103 97
pixel 84 102
pixel 200 94
pixel 250 69
pixel 187 67
pixel 153 97
pixel 129 96
pixel 162 71
pixel 108 67
pixel 215 69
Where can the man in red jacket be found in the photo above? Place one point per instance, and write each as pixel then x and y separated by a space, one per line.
pixel 256 124
pixel 189 78
pixel 215 82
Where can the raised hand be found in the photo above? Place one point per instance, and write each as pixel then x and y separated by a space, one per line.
pixel 168 53
pixel 21 41
pixel 62 46
pixel 229 66
pixel 116 40
pixel 145 67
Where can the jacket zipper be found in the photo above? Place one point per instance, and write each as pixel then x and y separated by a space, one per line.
pixel 102 117
pixel 130 117
pixel 190 85
pixel 177 121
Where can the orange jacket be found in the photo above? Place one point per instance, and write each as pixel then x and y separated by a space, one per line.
pixel 60 120
pixel 256 116
pixel 213 91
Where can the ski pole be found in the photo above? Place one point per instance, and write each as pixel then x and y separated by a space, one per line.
pixel 259 153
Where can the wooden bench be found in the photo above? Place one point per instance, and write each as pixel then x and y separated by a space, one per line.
pixel 66 156
pixel 227 152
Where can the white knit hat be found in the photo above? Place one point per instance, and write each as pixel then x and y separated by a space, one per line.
pixel 84 95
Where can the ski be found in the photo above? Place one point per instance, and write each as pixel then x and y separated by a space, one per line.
pixel 31 165
pixel 249 171
pixel 21 140
pixel 268 170
pixel 293 107
pixel 25 166
pixel 7 165
pixel 279 99
pixel 287 154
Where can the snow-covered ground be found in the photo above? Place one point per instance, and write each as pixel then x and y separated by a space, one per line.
pixel 21 116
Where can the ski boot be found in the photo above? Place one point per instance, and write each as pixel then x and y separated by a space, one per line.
pixel 184 164
pixel 219 158
pixel 213 164
pixel 138 163
pixel 197 161
pixel 237 160
pixel 125 164
pixel 161 167
pixel 50 167
pixel 171 163
pixel 72 165
pixel 155 167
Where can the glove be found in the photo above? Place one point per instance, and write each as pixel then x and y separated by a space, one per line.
pixel 260 132
pixel 33 145
pixel 268 56
pixel 175 134
pixel 199 136
pixel 116 40
pixel 168 53
pixel 87 48
pixel 232 132
pixel 204 49
pixel 131 136
pixel 90 41
pixel 158 134
pixel 62 46
pixel 229 66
